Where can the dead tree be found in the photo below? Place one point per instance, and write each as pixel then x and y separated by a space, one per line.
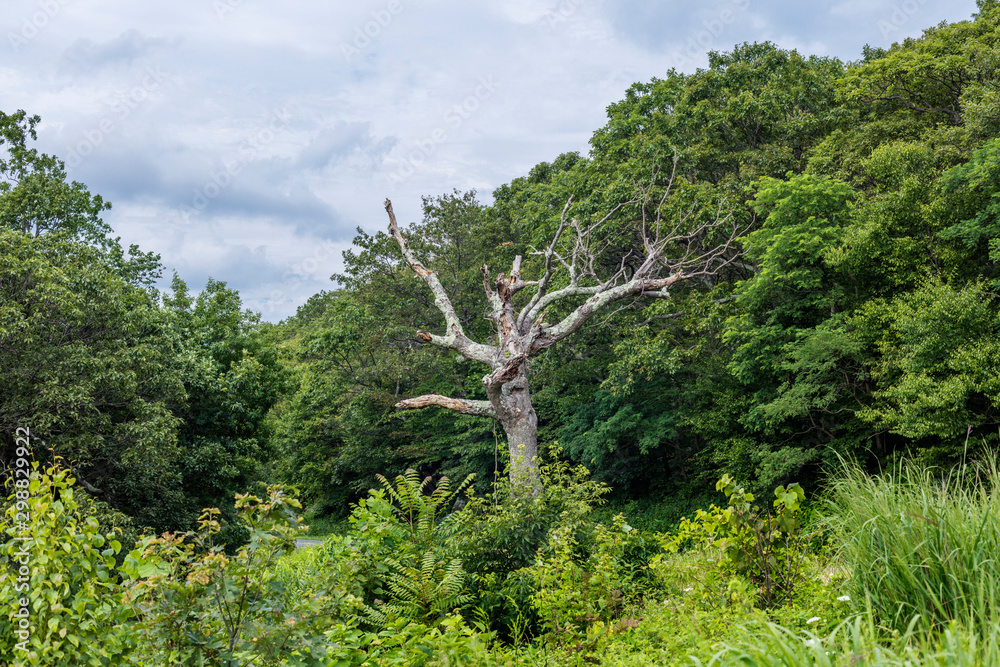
pixel 524 333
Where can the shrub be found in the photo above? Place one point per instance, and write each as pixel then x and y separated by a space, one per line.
pixel 61 578
pixel 196 605
pixel 409 530
pixel 578 595
pixel 767 547
pixel 503 533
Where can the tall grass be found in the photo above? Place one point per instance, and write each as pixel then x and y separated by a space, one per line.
pixel 920 542
pixel 855 642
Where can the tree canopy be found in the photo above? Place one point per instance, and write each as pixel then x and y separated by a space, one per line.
pixel 855 314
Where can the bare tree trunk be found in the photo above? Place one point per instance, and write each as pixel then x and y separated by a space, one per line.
pixel 512 404
pixel 523 334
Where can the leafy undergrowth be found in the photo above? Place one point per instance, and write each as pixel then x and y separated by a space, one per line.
pixel 902 574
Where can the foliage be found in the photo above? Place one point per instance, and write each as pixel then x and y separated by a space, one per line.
pixel 938 348
pixel 858 641
pixel 450 643
pixel 920 542
pixel 578 597
pixel 940 75
pixel 862 320
pixel 422 583
pixel 859 184
pixel 766 547
pixel 62 601
pixel 504 532
pixel 355 357
pixel 194 604
pixel 86 363
pixel 36 200
pixel 232 377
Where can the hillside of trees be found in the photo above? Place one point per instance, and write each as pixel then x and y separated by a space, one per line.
pixel 857 317
pixel 777 273
pixel 854 316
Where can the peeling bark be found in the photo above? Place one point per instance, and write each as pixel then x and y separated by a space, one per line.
pixel 478 408
pixel 523 335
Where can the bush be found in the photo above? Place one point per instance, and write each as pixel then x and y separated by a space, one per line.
pixel 577 598
pixel 196 605
pixel 61 579
pixel 504 533
pixel 417 576
pixel 765 547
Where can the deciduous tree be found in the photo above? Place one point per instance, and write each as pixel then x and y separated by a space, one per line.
pixel 574 276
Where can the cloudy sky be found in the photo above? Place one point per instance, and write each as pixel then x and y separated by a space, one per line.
pixel 246 140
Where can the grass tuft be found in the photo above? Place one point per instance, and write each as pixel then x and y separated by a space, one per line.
pixel 922 543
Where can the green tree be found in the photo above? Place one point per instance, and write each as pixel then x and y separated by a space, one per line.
pixel 86 363
pixel 938 350
pixel 755 111
pixel 36 199
pixel 228 362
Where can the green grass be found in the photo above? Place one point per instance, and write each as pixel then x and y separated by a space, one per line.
pixel 859 642
pixel 919 542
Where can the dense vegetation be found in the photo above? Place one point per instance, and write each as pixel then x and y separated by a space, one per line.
pixel 856 320
pixel 859 320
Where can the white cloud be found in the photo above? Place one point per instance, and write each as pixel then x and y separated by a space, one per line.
pixel 382 97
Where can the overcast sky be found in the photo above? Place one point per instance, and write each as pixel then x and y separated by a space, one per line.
pixel 246 140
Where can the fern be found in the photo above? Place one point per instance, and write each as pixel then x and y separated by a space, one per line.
pixel 423 583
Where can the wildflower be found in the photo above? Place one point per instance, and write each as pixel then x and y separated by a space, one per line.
pixel 844 598
pixel 813 620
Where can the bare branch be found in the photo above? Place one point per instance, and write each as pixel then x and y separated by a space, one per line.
pixel 548 335
pixel 454 337
pixel 516 283
pixel 543 282
pixel 465 406
pixel 496 303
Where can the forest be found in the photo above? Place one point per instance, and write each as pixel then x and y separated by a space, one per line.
pixel 725 390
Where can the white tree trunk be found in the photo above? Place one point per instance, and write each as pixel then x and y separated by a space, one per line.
pixel 523 335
